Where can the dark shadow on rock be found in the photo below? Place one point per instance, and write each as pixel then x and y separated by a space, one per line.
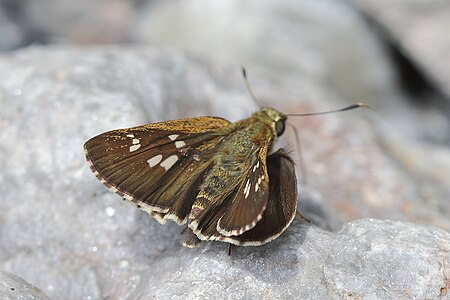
pixel 423 90
pixel 312 206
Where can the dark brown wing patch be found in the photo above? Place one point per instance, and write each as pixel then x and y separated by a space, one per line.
pixel 248 204
pixel 281 205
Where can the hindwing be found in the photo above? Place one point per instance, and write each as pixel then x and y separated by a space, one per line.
pixel 279 209
pixel 281 205
pixel 249 200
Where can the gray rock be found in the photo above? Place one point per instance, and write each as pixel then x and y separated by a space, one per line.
pixel 13 287
pixel 367 259
pixel 420 28
pixel 328 42
pixel 12 34
pixel 66 234
pixel 63 21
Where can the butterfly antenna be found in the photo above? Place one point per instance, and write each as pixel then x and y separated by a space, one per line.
pixel 353 106
pixel 249 88
pixel 300 155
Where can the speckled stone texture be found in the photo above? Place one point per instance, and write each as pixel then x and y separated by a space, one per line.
pixel 13 287
pixel 66 234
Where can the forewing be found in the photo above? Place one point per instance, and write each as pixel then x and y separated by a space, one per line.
pixel 281 205
pixel 157 166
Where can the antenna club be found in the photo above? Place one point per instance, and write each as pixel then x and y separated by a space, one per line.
pixel 249 88
pixel 353 106
pixel 244 72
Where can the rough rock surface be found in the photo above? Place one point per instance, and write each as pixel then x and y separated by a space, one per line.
pixel 13 287
pixel 367 259
pixel 64 233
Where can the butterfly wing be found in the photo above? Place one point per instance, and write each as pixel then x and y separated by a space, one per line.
pixel 281 205
pixel 157 166
pixel 249 202
pixel 242 200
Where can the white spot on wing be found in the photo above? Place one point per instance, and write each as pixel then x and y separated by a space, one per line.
pixel 256 166
pixel 169 162
pixel 179 144
pixel 113 189
pixel 135 147
pixel 130 135
pixel 135 141
pixel 173 137
pixel 247 189
pixel 154 160
pixel 247 185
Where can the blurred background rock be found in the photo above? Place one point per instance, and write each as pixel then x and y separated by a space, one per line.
pixel 385 52
pixel 393 54
pixel 390 163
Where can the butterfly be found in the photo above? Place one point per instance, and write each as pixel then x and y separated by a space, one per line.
pixel 221 179
pixel 216 176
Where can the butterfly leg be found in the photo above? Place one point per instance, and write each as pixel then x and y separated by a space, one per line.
pixel 229 248
pixel 302 217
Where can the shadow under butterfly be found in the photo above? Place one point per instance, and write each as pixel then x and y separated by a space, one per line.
pixel 219 178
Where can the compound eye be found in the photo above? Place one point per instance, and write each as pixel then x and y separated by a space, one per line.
pixel 280 125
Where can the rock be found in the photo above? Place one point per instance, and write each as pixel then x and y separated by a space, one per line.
pixel 83 242
pixel 13 287
pixel 48 22
pixel 11 33
pixel 423 39
pixel 326 41
pixel 367 259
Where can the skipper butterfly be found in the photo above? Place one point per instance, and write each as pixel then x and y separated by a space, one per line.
pixel 220 178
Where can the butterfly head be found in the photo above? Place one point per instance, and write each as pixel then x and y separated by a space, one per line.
pixel 274 118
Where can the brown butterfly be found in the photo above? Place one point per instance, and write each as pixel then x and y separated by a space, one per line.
pixel 218 177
